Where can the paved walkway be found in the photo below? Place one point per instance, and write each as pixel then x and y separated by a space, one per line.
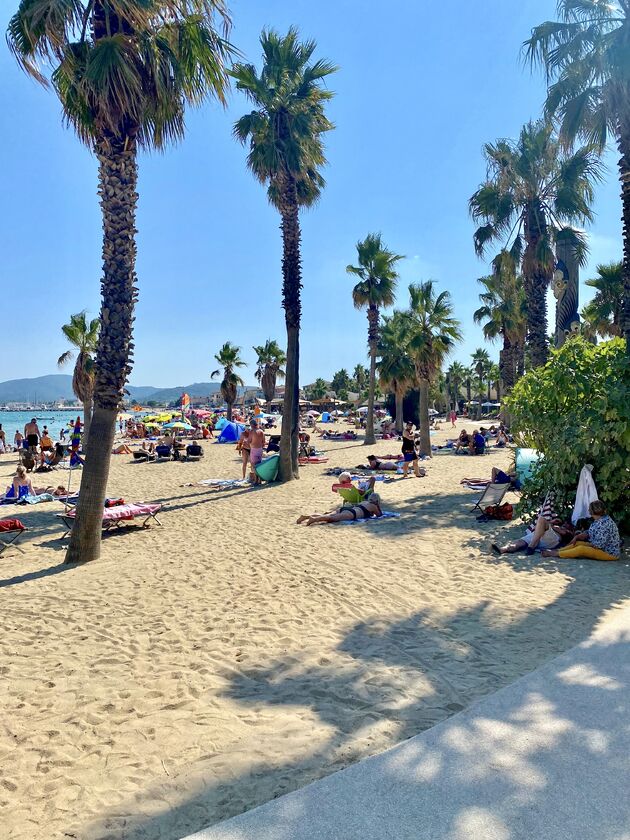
pixel 546 758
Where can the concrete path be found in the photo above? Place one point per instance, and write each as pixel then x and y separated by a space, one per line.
pixel 546 758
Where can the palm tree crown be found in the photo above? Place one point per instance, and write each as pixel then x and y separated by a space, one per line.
pixel 270 358
pixel 604 313
pixel 83 336
pixel 125 68
pixel 395 366
pixel 229 359
pixel 534 192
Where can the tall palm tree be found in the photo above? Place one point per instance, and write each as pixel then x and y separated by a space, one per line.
pixel 286 152
pixel 604 313
pixel 456 376
pixel 585 55
pixel 376 289
pixel 124 72
pixel 395 368
pixel 318 389
pixel 270 358
pixel 533 193
pixel 503 314
pixel 432 334
pixel 481 364
pixel 228 358
pixel 83 336
pixel 494 381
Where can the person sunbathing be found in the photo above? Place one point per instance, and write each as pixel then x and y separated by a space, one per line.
pixel 545 534
pixel 600 542
pixel 384 464
pixel 21 485
pixel 349 492
pixel 497 476
pixel 366 510
pixel 122 449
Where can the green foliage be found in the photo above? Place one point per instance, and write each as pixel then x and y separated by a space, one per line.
pixel 318 390
pixel 575 411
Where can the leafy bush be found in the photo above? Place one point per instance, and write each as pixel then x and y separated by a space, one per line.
pixel 576 410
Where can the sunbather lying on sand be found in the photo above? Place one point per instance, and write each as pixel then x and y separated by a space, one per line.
pixel 366 510
pixel 375 463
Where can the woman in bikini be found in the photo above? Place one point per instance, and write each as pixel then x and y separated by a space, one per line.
pixel 244 447
pixel 366 510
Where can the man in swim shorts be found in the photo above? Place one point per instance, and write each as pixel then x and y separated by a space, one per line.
pixel 409 453
pixel 32 434
pixel 257 447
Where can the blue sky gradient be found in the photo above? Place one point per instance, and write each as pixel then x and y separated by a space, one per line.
pixel 420 88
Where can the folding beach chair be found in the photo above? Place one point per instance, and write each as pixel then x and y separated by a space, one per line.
pixel 13 530
pixel 492 495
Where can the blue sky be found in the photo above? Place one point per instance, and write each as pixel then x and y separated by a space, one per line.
pixel 421 87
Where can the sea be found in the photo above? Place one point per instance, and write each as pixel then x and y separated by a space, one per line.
pixel 55 420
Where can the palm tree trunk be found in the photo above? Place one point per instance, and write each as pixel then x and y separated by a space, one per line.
pixel 118 177
pixel 623 144
pixel 423 413
pixel 229 411
pixel 291 286
pixel 536 281
pixel 372 316
pixel 399 397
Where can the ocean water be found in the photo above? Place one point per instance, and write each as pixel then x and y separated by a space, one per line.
pixel 55 420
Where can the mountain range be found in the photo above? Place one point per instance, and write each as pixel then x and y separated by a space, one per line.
pixel 58 386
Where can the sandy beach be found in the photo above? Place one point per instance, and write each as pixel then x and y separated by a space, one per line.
pixel 203 667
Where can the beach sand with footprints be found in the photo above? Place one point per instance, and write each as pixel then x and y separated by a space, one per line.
pixel 203 667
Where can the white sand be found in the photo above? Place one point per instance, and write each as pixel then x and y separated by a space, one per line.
pixel 203 667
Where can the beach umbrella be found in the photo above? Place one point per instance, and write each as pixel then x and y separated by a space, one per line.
pixel 179 424
pixel 363 409
pixel 433 412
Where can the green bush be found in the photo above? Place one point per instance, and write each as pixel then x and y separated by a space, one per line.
pixel 575 410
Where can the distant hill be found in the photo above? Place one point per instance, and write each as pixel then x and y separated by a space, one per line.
pixel 58 386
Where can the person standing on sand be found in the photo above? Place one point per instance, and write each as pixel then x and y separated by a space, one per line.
pixel 3 441
pixel 244 446
pixel 409 453
pixel 257 443
pixel 453 417
pixel 32 434
pixel 17 440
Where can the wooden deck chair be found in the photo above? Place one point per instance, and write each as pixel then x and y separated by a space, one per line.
pixel 492 495
pixel 13 530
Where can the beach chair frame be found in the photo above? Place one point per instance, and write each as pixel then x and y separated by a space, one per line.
pixel 110 524
pixel 14 536
pixel 493 494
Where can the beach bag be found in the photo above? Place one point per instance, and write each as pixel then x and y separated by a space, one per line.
pixel 502 512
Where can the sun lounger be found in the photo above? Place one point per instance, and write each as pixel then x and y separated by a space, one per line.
pixel 164 452
pixel 116 517
pixel 10 532
pixel 492 495
pixel 143 455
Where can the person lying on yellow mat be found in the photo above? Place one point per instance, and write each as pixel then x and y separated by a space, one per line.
pixel 600 542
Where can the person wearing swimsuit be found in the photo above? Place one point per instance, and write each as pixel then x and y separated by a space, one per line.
pixel 410 456
pixel 244 447
pixel 366 510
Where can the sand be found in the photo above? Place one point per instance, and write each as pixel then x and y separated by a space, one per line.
pixel 203 667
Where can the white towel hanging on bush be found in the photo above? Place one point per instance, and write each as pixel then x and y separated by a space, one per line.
pixel 585 494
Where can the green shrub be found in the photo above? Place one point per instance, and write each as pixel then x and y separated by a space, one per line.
pixel 575 410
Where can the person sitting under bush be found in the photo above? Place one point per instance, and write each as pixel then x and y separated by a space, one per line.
pixel 545 533
pixel 600 542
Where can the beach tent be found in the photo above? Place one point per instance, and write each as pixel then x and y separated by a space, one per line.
pixel 267 470
pixel 231 432
pixel 324 417
pixel 220 424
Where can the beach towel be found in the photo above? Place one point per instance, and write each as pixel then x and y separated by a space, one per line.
pixel 35 500
pixel 585 494
pixel 387 514
pixel 223 483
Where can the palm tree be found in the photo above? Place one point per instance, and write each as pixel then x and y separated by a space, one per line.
pixel 376 289
pixel 286 153
pixel 228 358
pixel 318 389
pixel 395 367
pixel 533 193
pixel 432 334
pixel 481 364
pixel 124 72
pixel 341 382
pixel 604 313
pixel 456 376
pixel 585 55
pixel 504 315
pixel 271 357
pixel 360 376
pixel 82 335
